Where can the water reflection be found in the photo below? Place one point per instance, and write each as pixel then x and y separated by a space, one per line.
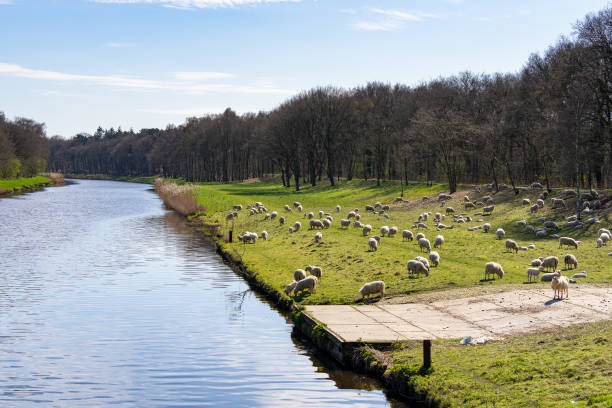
pixel 108 299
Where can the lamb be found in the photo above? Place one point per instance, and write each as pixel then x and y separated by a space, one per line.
pixel 290 287
pixel 338 208
pixel 392 232
pixel 489 209
pixel 318 237
pixel 570 259
pixel 536 262
pixel 315 271
pixel 568 241
pixel 299 274
pixel 372 288
pixel 500 233
pixel 309 283
pixel 417 266
pixel 326 223
pixel 424 244
pixel 438 241
pixel 510 244
pixel 419 236
pixel 345 223
pixel 534 208
pixel 407 235
pixel 366 229
pixel 316 224
pixel 526 201
pixel 281 220
pixel 550 262
pixel 434 257
pixel 296 226
pixel 287 208
pixel 384 230
pixel 264 235
pixel 560 285
pixel 533 273
pixel 237 207
pixel 493 268
pixel 373 244
pixel 486 227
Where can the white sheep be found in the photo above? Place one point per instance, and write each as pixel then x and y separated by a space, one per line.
pixel 550 262
pixel 422 260
pixel 605 237
pixel 568 241
pixel 434 257
pixel 237 207
pixel 486 227
pixel 299 208
pixel 521 223
pixel 560 285
pixel 510 245
pixel 290 287
pixel 357 224
pixel 291 230
pixel 357 217
pixel 424 244
pixel 299 274
pixel 500 233
pixel 296 226
pixel 529 228
pixel 540 203
pixel 604 231
pixel 548 277
pixel 321 213
pixel 534 208
pixel 310 283
pixel 318 237
pixel 493 268
pixel 316 224
pixel 372 288
pixel 287 208
pixel 373 244
pixel 315 271
pixel 438 241
pixel 406 234
pixel 296 204
pixel 489 209
pixel 264 235
pixel 558 202
pixel 351 215
pixel 326 223
pixel 536 262
pixel 526 201
pixel 551 225
pixel 384 230
pixel 419 236
pixel 309 215
pixel 450 210
pixel 392 232
pixel 417 266
pixel 582 274
pixel 369 208
pixel 366 229
pixel 531 246
pixel 599 243
pixel 338 208
pixel 281 220
pixel 570 260
pixel 533 273
pixel 345 223
pixel 273 215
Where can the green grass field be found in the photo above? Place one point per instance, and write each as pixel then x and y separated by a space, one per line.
pixel 344 254
pixel 8 186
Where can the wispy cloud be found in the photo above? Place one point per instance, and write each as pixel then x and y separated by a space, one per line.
pixel 200 76
pixel 4 2
pixel 119 44
pixel 124 82
pixel 190 4
pixel 389 19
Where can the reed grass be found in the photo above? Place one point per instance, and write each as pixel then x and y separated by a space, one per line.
pixel 181 198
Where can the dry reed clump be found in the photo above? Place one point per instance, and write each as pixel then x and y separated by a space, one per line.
pixel 57 179
pixel 180 198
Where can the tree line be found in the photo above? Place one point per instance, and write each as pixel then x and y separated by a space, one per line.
pixel 549 122
pixel 23 148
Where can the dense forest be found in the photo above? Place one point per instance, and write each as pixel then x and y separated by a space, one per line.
pixel 550 122
pixel 23 148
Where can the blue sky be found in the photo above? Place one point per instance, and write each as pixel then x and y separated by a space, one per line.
pixel 78 64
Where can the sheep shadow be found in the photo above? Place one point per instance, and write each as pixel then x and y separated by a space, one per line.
pixel 552 301
pixel 369 301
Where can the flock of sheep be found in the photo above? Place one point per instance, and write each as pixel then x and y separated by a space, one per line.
pixel 308 279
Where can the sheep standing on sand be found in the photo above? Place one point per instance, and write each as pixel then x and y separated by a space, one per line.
pixel 550 262
pixel 500 233
pixel 310 283
pixel 533 273
pixel 570 242
pixel 560 285
pixel 418 267
pixel 299 274
pixel 264 235
pixel 384 230
pixel 318 237
pixel 315 271
pixel 373 244
pixel 345 223
pixel 438 241
pixel 493 268
pixel 290 287
pixel 407 235
pixel 486 227
pixel 372 288
pixel 296 226
pixel 434 257
pixel 570 259
pixel 424 244
pixel 366 229
pixel 510 245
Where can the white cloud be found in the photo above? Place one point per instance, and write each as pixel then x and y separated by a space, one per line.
pixel 124 82
pixel 381 25
pixel 397 15
pixel 200 76
pixel 119 44
pixel 390 20
pixel 189 4
pixel 4 2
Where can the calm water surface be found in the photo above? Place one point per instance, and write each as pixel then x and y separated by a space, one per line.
pixel 106 298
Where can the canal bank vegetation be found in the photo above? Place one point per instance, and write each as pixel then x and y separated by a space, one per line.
pixel 181 198
pixel 24 183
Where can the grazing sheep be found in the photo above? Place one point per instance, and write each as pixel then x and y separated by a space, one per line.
pixel 534 208
pixel 551 225
pixel 434 257
pixel 500 233
pixel 419 236
pixel 299 274
pixel 486 227
pixel 424 244
pixel 570 259
pixel 357 224
pixel 529 228
pixel 369 208
pixel 309 283
pixel 533 273
pixel 315 271
pixel 417 266
pixel 385 208
pixel 510 245
pixel 373 244
pixel 450 210
pixel 366 229
pixel 299 208
pixel 531 246
pixel 604 231
pixel 489 209
pixel 264 235
pixel 291 230
pixel 599 243
pixel 521 223
pixel 540 203
pixel 287 208
pixel 526 201
pixel 273 215
pixel 420 225
pixel 493 268
pixel 570 242
pixel 326 223
pixel 541 233
pixel 469 205
pixel 281 220
pixel 296 204
pixel 316 224
pixel 372 288
pixel 384 230
pixel 547 277
pixel 377 238
pixel 466 199
pixel 560 285
pixel 309 215
pixel 535 184
pixel 290 287
pixel 536 262
pixel 407 235
pixel 422 260
pixel 296 226
pixel 357 217
pixel 338 208
pixel 558 202
pixel 392 232
pixel 345 223
pixel 237 207
pixel 318 237
pixel 229 216
pixel 605 237
pixel 321 213
pixel 582 274
pixel 550 262
pixel 438 241
pixel 351 215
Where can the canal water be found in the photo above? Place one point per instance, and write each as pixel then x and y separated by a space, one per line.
pixel 108 299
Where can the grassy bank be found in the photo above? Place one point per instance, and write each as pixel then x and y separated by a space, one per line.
pixel 144 180
pixel 344 254
pixel 15 185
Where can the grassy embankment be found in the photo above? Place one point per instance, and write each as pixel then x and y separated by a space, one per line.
pixel 344 254
pixel 24 183
pixel 545 369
